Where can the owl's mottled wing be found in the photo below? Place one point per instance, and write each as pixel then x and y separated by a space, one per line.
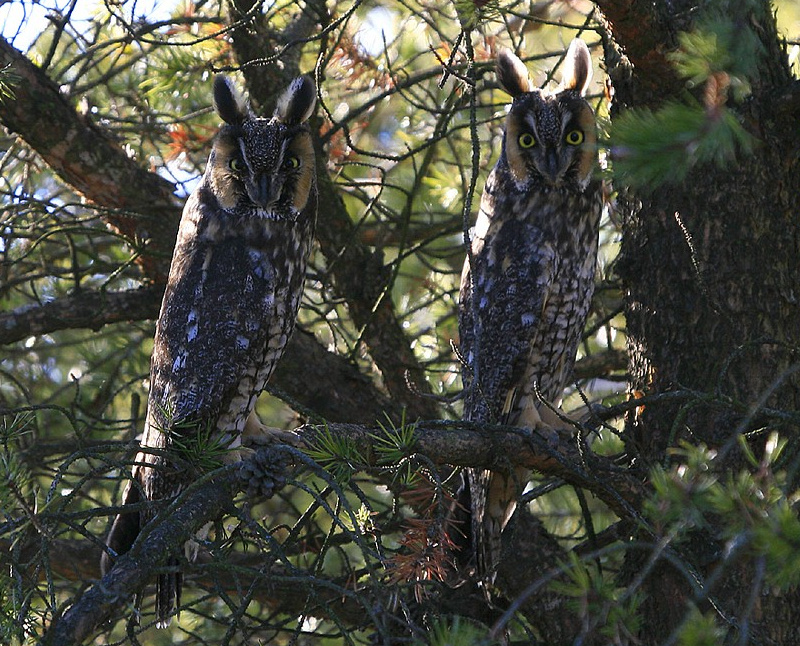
pixel 504 289
pixel 207 364
pixel 503 292
pixel 213 329
pixel 214 325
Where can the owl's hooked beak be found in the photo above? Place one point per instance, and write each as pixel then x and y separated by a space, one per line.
pixel 266 191
pixel 552 167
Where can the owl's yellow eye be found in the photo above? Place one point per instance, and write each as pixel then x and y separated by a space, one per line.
pixel 291 162
pixel 574 138
pixel 526 140
pixel 236 165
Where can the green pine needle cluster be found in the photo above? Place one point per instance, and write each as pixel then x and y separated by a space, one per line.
pixel 14 475
pixel 752 510
pixel 8 79
pixel 717 59
pixel 718 45
pixel 596 594
pixel 15 503
pixel 700 630
pixel 395 446
pixel 654 148
pixel 339 456
pixel 456 631
pixel 196 442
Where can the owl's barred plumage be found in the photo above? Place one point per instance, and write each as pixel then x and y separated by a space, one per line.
pixel 528 280
pixel 230 304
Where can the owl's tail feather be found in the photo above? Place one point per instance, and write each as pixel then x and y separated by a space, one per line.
pixel 168 594
pixel 494 498
pixel 486 542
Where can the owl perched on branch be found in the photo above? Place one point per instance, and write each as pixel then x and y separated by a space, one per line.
pixel 528 278
pixel 230 304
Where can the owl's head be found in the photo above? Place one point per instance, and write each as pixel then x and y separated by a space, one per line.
pixel 550 137
pixel 263 165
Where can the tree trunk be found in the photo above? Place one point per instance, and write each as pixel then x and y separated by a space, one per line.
pixel 711 271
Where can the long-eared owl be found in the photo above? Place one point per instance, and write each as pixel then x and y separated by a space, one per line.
pixel 528 278
pixel 230 304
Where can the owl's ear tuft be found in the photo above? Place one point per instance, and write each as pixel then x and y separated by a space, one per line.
pixel 577 67
pixel 229 103
pixel 512 73
pixel 297 102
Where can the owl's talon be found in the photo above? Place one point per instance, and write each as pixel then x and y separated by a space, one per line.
pixel 257 434
pixel 270 437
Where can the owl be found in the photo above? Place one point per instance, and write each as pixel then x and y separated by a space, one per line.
pixel 230 304
pixel 528 278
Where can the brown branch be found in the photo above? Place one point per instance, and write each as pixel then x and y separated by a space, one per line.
pixel 329 385
pixel 85 309
pixel 600 364
pixel 106 598
pixel 85 157
pixel 534 551
pixel 324 384
pixel 79 560
pixel 362 278
pixel 548 450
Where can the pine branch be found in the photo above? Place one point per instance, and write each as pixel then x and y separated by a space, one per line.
pixel 550 451
pixel 321 384
pixel 86 309
pixel 143 205
pixel 106 598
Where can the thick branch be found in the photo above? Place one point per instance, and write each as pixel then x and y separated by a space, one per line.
pixel 322 383
pixel 363 280
pixel 90 310
pixel 133 570
pixel 329 385
pixel 79 560
pixel 87 159
pixel 547 450
pixel 535 554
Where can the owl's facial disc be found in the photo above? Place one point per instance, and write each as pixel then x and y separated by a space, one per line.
pixel 273 167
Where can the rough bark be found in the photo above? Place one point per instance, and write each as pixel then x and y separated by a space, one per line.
pixel 711 269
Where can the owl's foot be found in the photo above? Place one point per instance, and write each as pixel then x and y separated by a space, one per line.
pixel 264 473
pixel 257 434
